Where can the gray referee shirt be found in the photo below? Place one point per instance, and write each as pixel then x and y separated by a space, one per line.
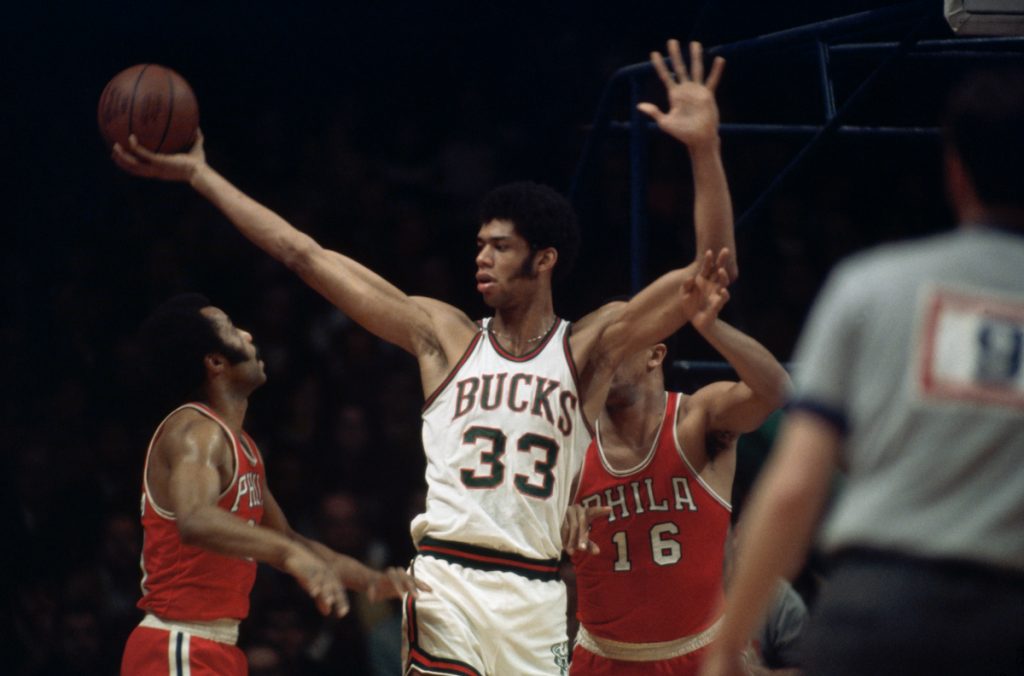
pixel 915 352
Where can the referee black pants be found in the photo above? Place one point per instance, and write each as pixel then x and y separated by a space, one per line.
pixel 881 614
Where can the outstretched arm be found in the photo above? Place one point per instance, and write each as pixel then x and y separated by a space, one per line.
pixel 366 297
pixel 378 585
pixel 654 314
pixel 607 336
pixel 692 119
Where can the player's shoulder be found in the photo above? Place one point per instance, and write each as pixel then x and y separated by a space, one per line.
pixel 190 430
pixel 597 320
pixel 445 314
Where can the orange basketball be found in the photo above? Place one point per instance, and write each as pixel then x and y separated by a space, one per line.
pixel 154 103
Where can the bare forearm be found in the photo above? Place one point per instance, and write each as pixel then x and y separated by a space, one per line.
pixel 754 364
pixel 712 206
pixel 262 226
pixel 362 294
pixel 354 574
pixel 216 530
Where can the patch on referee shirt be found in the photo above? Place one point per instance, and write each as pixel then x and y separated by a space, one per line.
pixel 971 348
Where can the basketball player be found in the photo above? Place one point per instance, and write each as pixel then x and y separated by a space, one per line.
pixel 207 512
pixel 509 399
pixel 649 581
pixel 911 376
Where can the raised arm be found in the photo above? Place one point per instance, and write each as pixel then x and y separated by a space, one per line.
pixel 195 451
pixel 420 328
pixel 612 332
pixel 608 335
pixel 692 119
pixel 764 384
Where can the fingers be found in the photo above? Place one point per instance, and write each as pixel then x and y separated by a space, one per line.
pixel 707 265
pixel 697 62
pixel 658 61
pixel 679 71
pixel 651 110
pixel 723 258
pixel 717 67
pixel 126 161
pixel 571 528
pixel 395 582
pixel 134 159
pixel 592 514
pixel 340 603
pixel 577 527
pixel 138 149
pixel 404 583
pixel 723 279
pixel 721 299
pixel 328 594
pixel 676 55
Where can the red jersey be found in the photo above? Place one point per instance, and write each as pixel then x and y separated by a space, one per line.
pixel 187 583
pixel 659 574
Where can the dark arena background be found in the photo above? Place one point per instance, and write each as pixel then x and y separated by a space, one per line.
pixel 376 127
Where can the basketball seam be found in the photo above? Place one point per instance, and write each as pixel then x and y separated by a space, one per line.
pixel 170 111
pixel 131 106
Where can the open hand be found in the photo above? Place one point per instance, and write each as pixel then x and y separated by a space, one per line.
pixel 692 115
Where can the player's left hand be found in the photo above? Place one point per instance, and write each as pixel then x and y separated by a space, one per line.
pixel 692 115
pixel 393 583
pixel 576 528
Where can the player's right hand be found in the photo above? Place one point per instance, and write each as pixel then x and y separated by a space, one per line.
pixel 576 528
pixel 319 581
pixel 145 163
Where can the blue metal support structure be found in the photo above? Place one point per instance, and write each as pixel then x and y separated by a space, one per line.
pixel 824 37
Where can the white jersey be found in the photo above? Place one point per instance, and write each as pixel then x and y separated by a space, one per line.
pixel 504 436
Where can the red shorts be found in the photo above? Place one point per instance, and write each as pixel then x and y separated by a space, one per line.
pixel 158 652
pixel 586 663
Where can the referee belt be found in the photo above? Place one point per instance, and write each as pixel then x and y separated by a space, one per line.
pixel 646 652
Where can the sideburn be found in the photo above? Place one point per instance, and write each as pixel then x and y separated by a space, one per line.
pixel 527 270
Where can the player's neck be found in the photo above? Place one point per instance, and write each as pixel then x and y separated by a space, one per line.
pixel 523 327
pixel 229 405
pixel 633 427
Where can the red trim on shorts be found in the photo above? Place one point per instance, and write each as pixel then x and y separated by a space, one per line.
pixel 418 658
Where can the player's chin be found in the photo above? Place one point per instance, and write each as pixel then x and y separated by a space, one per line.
pixel 490 299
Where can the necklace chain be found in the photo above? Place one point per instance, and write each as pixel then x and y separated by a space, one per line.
pixel 528 340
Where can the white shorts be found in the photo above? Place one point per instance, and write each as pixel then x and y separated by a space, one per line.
pixel 484 622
